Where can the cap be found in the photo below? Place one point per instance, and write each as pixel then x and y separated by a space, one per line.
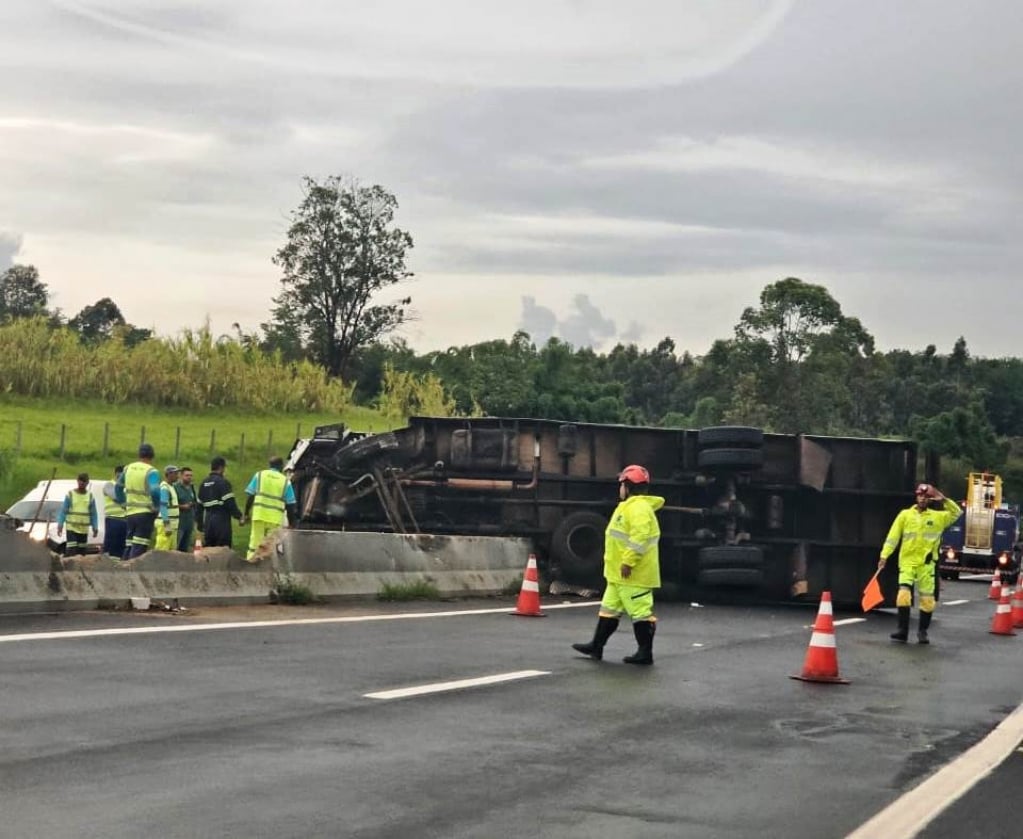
pixel 146 450
pixel 171 468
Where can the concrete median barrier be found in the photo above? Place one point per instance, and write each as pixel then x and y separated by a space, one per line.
pixel 331 565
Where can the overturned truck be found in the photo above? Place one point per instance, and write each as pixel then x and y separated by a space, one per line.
pixel 748 515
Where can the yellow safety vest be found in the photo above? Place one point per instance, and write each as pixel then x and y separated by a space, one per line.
pixel 268 502
pixel 136 489
pixel 111 508
pixel 632 538
pixel 173 513
pixel 78 518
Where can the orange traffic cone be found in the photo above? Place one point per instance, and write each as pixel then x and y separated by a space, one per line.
pixel 821 663
pixel 1017 605
pixel 995 591
pixel 1002 623
pixel 529 595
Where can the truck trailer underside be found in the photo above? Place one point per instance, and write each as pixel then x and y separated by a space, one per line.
pixel 747 515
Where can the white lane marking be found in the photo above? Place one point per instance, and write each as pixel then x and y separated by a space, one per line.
pixel 203 627
pixel 954 602
pixel 848 621
pixel 460 684
pixel 910 814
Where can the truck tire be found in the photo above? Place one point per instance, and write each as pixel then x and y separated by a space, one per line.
pixel 732 436
pixel 732 459
pixel 577 546
pixel 730 577
pixel 731 556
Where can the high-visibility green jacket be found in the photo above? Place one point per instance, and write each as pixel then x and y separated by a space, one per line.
pixel 169 512
pixel 631 539
pixel 78 511
pixel 137 488
pixel 268 500
pixel 919 532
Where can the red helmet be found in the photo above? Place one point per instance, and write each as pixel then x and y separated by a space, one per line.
pixel 634 475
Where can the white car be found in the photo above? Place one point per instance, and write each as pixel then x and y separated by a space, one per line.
pixel 38 510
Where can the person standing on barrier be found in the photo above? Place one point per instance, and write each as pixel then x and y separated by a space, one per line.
pixel 916 532
pixel 631 567
pixel 78 512
pixel 185 490
pixel 167 533
pixel 114 526
pixel 217 506
pixel 270 496
pixel 138 488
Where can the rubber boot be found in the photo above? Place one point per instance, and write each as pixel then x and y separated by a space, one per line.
pixel 644 632
pixel 903 632
pixel 595 649
pixel 925 623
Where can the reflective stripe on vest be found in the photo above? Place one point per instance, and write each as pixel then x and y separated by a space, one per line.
pixel 268 502
pixel 136 489
pixel 173 513
pixel 78 518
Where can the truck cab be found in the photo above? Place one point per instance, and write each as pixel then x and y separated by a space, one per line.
pixel 983 538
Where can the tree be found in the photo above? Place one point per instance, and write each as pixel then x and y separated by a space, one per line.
pixel 97 322
pixel 342 250
pixel 22 294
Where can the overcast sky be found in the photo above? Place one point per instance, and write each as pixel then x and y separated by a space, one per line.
pixel 591 169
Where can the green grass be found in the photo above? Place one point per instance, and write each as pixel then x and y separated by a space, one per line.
pixel 31 429
pixel 401 592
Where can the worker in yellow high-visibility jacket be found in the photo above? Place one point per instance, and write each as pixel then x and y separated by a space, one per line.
pixel 915 532
pixel 270 497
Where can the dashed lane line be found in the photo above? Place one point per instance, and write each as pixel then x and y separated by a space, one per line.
pixel 459 684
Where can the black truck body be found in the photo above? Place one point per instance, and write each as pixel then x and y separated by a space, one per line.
pixel 748 515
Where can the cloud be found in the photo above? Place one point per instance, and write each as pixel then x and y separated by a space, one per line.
pixel 583 326
pixel 10 244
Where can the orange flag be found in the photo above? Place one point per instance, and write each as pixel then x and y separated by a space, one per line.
pixel 872 595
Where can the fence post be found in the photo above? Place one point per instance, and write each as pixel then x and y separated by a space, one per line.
pixel 177 443
pixel 63 439
pixel 106 439
pixel 269 443
pixel 142 437
pixel 241 448
pixel 213 440
pixel 17 440
pixel 298 431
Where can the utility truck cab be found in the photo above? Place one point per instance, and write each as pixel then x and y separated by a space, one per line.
pixel 983 537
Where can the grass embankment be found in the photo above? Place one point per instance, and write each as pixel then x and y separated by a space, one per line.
pixel 97 436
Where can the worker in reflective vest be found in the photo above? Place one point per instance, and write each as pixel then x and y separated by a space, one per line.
pixel 631 568
pixel 79 514
pixel 138 489
pixel 114 527
pixel 916 532
pixel 167 534
pixel 270 496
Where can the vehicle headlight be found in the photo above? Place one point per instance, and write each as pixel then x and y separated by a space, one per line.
pixel 950 553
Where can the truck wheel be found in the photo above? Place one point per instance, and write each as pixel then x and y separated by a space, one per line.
pixel 730 577
pixel 737 436
pixel 577 546
pixel 731 556
pixel 364 448
pixel 737 459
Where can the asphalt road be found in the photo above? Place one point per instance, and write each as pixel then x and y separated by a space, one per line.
pixel 122 725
